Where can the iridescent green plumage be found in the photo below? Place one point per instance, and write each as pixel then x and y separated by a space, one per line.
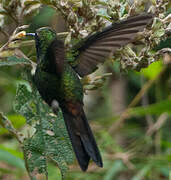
pixel 67 85
pixel 66 88
pixel 57 78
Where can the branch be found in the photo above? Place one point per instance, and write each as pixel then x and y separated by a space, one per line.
pixel 8 125
pixel 159 123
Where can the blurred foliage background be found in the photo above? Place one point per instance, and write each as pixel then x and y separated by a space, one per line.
pixel 130 114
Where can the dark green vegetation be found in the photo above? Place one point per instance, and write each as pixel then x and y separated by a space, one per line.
pixel 134 141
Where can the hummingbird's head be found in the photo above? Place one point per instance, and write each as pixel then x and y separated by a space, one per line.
pixel 45 34
pixel 43 38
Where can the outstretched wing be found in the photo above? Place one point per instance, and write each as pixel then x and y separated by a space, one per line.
pixel 98 47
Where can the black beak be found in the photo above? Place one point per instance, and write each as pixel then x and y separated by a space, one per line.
pixel 30 34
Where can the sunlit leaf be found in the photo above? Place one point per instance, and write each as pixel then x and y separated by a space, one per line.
pixel 141 174
pixel 114 170
pixel 153 70
pixel 12 151
pixel 153 109
pixel 11 159
pixel 17 120
pixel 4 122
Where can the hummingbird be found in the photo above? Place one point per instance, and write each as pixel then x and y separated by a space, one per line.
pixel 57 79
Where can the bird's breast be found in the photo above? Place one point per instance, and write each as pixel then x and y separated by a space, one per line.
pixel 48 85
pixel 65 88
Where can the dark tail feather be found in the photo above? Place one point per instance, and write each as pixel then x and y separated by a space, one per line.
pixel 82 140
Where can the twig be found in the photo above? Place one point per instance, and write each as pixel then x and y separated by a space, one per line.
pixel 159 123
pixel 124 156
pixel 5 46
pixel 8 125
pixel 4 122
pixel 62 34
pixel 19 53
pixel 145 102
pixel 164 50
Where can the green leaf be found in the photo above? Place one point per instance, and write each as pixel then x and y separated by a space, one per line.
pixel 2 12
pixel 23 101
pixel 3 131
pixel 164 44
pixel 53 173
pixel 153 109
pixel 116 168
pixel 153 70
pixel 13 60
pixel 5 171
pixel 50 139
pixel 141 174
pixel 4 122
pixel 31 3
pixel 12 151
pixel 17 120
pixel 23 96
pixel 159 32
pixel 11 159
pixel 36 160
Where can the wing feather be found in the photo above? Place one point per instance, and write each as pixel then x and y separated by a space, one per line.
pixel 96 48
